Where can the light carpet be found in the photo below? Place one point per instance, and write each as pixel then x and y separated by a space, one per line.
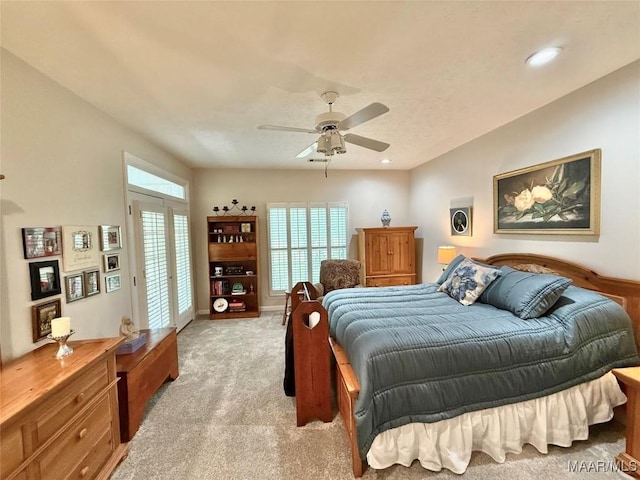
pixel 226 417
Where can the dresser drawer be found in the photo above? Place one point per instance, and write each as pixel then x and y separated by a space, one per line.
pixel 61 407
pixel 65 457
pixel 91 464
pixel 389 281
pixel 11 449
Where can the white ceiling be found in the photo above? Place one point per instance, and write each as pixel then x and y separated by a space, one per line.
pixel 197 78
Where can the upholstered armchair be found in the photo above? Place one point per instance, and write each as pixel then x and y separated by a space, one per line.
pixel 336 274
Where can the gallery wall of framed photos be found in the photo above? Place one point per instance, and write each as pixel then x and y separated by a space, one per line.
pixel 90 259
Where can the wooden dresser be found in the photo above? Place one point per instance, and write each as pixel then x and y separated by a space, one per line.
pixel 59 418
pixel 388 256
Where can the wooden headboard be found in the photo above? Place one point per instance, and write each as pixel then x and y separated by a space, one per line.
pixel 625 292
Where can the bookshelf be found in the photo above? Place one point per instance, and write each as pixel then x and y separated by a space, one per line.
pixel 233 267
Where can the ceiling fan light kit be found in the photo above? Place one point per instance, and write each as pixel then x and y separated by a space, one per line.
pixel 329 124
pixel 330 143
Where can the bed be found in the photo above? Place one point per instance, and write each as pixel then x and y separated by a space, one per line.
pixel 478 377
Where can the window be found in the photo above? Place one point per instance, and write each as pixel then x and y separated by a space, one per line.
pixel 301 235
pixel 148 181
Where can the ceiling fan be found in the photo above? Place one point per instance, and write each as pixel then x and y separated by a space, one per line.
pixel 330 124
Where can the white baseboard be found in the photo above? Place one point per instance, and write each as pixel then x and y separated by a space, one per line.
pixel 272 308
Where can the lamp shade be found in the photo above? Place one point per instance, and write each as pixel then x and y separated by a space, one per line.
pixel 446 254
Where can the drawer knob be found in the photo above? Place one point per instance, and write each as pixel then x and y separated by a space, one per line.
pixel 82 433
pixel 84 471
pixel 80 398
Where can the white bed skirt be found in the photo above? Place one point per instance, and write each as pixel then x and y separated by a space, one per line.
pixel 556 419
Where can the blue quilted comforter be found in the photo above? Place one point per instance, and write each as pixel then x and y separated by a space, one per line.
pixel 421 356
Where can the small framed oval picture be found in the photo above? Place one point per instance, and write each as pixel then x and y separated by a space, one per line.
pixel 460 221
pixel 111 262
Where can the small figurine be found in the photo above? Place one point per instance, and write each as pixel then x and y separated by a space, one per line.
pixel 128 329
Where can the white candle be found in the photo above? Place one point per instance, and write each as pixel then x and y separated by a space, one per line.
pixel 60 327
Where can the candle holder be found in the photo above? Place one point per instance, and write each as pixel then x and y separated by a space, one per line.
pixel 64 350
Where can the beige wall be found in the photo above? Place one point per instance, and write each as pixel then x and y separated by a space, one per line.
pixel 62 160
pixel 605 115
pixel 367 192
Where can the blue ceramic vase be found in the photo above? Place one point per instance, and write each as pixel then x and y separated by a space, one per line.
pixel 386 218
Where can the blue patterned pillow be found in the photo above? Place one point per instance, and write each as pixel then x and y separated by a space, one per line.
pixel 467 281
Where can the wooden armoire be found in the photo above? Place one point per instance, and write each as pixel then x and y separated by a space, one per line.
pixel 388 256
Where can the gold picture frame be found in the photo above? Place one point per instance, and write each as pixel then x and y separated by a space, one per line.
pixel 560 197
pixel 41 316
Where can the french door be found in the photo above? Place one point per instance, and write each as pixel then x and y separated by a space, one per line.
pixel 162 273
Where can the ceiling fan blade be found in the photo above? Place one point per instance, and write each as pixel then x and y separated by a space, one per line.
pixel 367 113
pixel 286 129
pixel 308 151
pixel 366 142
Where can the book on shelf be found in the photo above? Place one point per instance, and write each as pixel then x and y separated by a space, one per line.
pixel 220 287
pixel 237 306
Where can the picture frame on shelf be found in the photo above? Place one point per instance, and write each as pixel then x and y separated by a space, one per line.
pixel 79 247
pixel 41 242
pixel 110 237
pixel 41 316
pixel 74 285
pixel 111 262
pixel 92 282
pixel 112 282
pixel 559 197
pixel 245 227
pixel 460 221
pixel 45 279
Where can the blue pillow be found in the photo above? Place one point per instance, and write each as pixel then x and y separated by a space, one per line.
pixel 467 281
pixel 525 294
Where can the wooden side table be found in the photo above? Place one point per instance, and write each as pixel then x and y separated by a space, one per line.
pixel 141 373
pixel 629 460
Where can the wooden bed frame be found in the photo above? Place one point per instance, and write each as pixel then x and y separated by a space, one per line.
pixel 625 292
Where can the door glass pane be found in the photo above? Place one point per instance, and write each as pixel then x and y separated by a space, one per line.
pixel 155 268
pixel 183 262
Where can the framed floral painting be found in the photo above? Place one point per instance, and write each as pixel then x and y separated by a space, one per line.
pixel 557 197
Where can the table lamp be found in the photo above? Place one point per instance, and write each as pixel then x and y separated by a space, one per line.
pixel 446 254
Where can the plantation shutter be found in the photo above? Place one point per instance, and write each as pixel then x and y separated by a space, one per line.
pixel 183 262
pixel 155 268
pixel 279 248
pixel 301 235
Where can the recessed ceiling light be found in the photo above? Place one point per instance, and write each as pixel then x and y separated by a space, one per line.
pixel 543 56
pixel 385 161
